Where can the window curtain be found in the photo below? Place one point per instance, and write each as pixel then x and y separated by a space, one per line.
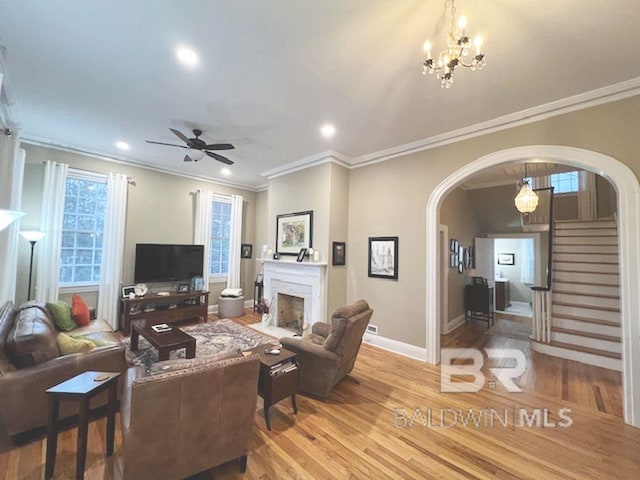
pixel 235 242
pixel 52 212
pixel 11 176
pixel 528 262
pixel 587 204
pixel 202 228
pixel 113 248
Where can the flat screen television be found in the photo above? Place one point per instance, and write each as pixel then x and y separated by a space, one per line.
pixel 157 262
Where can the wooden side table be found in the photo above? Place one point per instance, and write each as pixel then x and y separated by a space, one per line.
pixel 81 388
pixel 274 386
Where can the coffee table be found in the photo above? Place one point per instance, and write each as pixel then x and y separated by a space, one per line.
pixel 166 342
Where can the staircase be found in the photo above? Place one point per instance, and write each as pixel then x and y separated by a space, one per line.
pixel 585 301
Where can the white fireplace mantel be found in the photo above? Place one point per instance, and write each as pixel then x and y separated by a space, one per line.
pixel 299 279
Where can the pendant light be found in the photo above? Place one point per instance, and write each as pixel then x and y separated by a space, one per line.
pixel 527 200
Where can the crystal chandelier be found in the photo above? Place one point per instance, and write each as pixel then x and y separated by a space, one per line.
pixel 456 53
pixel 527 200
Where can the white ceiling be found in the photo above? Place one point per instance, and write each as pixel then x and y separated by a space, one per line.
pixel 89 73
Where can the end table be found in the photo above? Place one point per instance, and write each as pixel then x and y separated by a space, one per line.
pixel 81 389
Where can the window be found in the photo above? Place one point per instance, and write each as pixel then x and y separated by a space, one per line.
pixel 220 236
pixel 85 205
pixel 566 182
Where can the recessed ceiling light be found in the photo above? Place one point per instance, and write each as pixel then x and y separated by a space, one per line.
pixel 187 56
pixel 328 130
pixel 122 145
pixel 225 171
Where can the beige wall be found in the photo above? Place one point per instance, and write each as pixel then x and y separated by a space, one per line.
pixel 462 222
pixel 606 198
pixel 494 209
pixel 565 206
pixel 160 209
pixel 389 198
pixel 338 230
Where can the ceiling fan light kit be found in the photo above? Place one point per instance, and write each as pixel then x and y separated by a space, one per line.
pixel 456 54
pixel 198 148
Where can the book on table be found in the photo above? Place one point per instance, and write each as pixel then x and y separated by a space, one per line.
pixel 161 328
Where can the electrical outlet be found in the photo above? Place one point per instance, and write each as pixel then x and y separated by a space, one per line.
pixel 372 329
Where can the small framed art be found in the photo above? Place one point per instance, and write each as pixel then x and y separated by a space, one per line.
pixel 339 253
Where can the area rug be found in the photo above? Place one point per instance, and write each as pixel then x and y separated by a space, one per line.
pixel 211 338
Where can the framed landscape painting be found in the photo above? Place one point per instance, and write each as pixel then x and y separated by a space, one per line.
pixel 294 231
pixel 383 257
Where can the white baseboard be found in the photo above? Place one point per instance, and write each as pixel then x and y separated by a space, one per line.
pixel 454 323
pixel 395 346
pixel 248 303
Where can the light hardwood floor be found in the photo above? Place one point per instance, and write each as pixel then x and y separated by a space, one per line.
pixel 358 432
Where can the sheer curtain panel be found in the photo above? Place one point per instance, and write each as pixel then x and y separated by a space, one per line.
pixel 113 249
pixel 52 211
pixel 202 228
pixel 233 279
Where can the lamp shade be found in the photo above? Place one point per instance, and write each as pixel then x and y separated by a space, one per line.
pixel 32 235
pixel 527 200
pixel 195 154
pixel 8 216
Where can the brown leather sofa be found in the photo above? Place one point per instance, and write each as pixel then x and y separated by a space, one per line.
pixel 30 363
pixel 329 353
pixel 197 415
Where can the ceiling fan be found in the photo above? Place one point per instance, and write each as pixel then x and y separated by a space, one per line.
pixel 197 147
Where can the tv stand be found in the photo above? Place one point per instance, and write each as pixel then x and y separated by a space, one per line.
pixel 156 308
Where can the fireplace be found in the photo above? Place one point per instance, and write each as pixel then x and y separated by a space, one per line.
pixel 305 281
pixel 291 313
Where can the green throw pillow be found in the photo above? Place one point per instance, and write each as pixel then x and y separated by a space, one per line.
pixel 96 342
pixel 61 313
pixel 67 344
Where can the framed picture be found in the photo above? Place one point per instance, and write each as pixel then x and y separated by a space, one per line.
pixel 460 267
pixel 506 259
pixel 301 254
pixel 259 278
pixel 453 245
pixel 339 253
pixel 246 250
pixel 293 232
pixel 128 290
pixel 383 257
pixel 453 260
pixel 183 288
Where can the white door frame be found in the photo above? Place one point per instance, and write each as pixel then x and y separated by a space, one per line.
pixel 628 196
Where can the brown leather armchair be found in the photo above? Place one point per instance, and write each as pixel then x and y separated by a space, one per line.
pixel 329 353
pixel 191 417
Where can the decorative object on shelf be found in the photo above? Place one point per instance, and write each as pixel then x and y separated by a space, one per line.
pixel 127 291
pixel 197 284
pixel 183 288
pixel 456 53
pixel 339 253
pixel 293 232
pixel 32 236
pixel 246 250
pixel 316 256
pixel 527 200
pixel 301 255
pixel 7 217
pixel 140 289
pixel 383 257
pixel 506 259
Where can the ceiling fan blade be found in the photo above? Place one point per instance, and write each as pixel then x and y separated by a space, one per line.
pixel 168 144
pixel 181 136
pixel 219 146
pixel 187 158
pixel 220 158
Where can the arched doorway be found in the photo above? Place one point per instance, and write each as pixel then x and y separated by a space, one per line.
pixel 628 196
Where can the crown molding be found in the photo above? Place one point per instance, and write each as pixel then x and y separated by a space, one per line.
pixel 600 96
pixel 329 156
pixel 48 143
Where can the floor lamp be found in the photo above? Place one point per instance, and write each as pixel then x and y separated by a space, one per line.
pixel 32 236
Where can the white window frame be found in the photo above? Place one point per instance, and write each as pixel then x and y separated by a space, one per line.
pixel 81 287
pixel 216 277
pixel 572 192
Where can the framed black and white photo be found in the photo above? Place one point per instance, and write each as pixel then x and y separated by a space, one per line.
pixel 293 232
pixel 506 259
pixel 301 254
pixel 339 253
pixel 126 291
pixel 183 288
pixel 453 245
pixel 453 260
pixel 246 250
pixel 383 257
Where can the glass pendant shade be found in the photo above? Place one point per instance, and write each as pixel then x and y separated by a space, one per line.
pixel 527 200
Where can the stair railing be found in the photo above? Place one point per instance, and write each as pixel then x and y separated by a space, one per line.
pixel 541 295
